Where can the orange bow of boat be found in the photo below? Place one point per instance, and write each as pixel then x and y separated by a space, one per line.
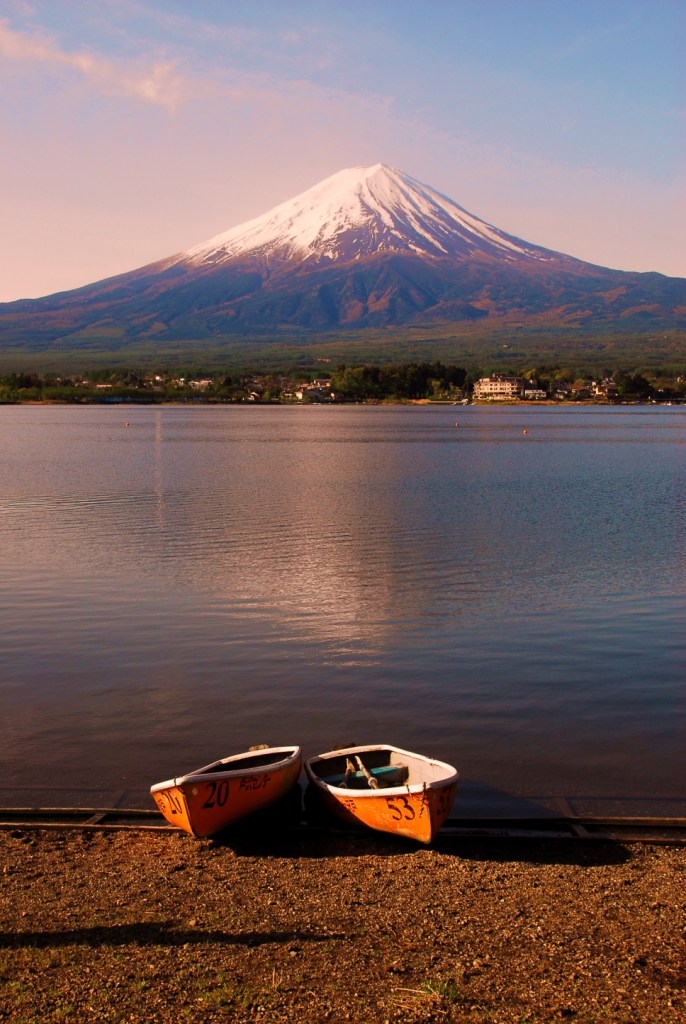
pixel 210 799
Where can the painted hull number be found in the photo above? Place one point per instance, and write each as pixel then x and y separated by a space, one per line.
pixel 171 800
pixel 217 793
pixel 401 809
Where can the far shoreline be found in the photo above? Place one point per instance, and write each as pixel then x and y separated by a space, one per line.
pixel 424 402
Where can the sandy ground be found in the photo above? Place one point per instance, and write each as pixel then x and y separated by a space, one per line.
pixel 144 927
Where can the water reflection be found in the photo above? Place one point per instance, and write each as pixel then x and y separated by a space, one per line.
pixel 204 577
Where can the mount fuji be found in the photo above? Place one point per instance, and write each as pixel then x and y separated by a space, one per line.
pixel 367 248
pixel 364 211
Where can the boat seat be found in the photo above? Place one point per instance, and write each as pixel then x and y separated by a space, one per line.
pixel 386 776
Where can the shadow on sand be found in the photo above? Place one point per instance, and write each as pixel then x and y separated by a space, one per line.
pixel 154 933
pixel 283 831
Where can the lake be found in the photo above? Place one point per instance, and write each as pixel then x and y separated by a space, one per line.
pixel 503 588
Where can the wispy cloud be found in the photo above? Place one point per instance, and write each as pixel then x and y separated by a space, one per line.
pixel 170 83
pixel 158 83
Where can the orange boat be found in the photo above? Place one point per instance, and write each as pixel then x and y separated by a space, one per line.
pixel 207 800
pixel 385 788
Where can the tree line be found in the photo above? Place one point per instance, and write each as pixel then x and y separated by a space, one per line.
pixel 407 381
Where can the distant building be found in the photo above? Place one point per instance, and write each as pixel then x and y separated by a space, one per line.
pixel 605 388
pixel 318 391
pixel 499 388
pixel 535 394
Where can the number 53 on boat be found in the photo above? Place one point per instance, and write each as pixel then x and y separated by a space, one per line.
pixel 385 788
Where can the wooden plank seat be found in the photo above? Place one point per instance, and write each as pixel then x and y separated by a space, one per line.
pixel 386 776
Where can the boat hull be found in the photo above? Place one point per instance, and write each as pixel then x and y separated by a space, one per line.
pixel 416 809
pixel 212 798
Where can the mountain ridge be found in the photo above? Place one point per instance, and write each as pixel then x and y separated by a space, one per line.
pixel 366 248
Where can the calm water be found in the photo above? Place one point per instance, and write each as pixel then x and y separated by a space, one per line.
pixel 203 579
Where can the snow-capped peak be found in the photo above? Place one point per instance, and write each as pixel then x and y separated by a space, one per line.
pixel 358 212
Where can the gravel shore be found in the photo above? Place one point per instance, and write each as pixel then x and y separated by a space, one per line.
pixel 146 927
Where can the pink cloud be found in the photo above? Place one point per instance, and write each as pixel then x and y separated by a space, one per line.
pixel 158 83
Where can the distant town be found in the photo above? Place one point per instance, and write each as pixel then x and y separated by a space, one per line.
pixel 406 382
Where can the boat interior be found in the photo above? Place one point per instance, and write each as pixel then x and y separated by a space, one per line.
pixel 247 762
pixel 368 769
pixel 378 768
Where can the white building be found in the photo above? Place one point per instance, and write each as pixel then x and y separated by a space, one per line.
pixel 499 388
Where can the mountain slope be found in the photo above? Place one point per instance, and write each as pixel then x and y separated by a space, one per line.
pixel 360 212
pixel 366 248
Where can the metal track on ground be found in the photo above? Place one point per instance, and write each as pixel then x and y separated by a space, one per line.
pixel 110 818
pixel 653 830
pixel 670 831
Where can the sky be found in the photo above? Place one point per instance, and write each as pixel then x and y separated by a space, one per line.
pixel 134 129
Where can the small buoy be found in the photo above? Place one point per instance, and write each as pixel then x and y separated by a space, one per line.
pixel 126 424
pixel 456 423
pixel 525 431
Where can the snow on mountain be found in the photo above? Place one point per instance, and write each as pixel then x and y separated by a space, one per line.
pixel 369 247
pixel 358 212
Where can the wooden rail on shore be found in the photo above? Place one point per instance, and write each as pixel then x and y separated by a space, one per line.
pixel 653 830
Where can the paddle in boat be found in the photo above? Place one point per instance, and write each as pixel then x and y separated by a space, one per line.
pixel 209 799
pixel 385 788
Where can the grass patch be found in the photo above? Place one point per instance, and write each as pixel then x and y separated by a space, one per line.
pixel 444 991
pixel 439 993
